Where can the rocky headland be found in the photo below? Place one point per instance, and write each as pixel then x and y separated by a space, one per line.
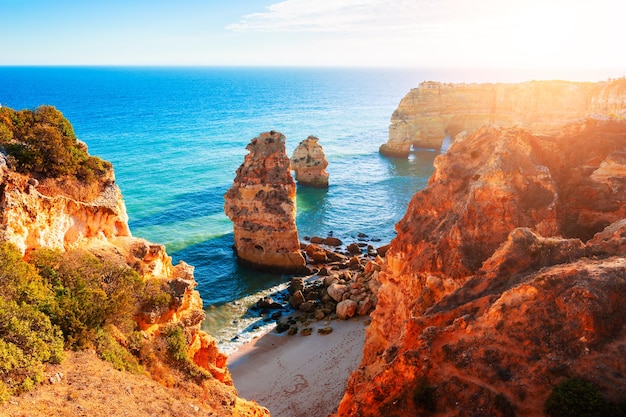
pixel 309 163
pixel 262 206
pixel 434 110
pixel 41 209
pixel 505 279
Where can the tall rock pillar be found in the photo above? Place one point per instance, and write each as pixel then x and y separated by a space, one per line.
pixel 262 206
pixel 309 163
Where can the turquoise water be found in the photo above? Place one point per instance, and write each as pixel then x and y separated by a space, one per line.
pixel 176 136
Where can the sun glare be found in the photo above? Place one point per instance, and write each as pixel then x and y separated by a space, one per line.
pixel 549 35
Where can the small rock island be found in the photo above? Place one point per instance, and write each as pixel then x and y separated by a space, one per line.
pixel 309 163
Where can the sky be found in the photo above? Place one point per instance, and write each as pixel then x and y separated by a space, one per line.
pixel 582 34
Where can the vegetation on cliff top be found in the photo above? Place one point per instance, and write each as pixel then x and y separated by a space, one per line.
pixel 74 300
pixel 42 144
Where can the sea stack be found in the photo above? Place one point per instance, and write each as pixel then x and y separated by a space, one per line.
pixel 262 206
pixel 309 163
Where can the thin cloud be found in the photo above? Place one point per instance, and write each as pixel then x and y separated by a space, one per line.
pixel 341 16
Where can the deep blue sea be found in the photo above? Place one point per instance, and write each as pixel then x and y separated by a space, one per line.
pixel 176 136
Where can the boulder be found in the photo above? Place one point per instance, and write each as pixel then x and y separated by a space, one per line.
pixel 354 249
pixel 296 299
pixel 332 241
pixel 316 253
pixel 296 284
pixel 268 303
pixel 364 307
pixel 336 291
pixel 307 306
pixel 346 309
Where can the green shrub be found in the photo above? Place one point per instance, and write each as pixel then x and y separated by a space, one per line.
pixel 575 397
pixel 89 293
pixel 27 341
pixel 176 343
pixel 20 282
pixel 28 338
pixel 111 351
pixel 44 144
pixel 5 392
pixel 155 295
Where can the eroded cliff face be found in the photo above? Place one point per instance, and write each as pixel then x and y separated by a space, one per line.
pixel 262 206
pixel 309 163
pixel 505 277
pixel 429 113
pixel 32 220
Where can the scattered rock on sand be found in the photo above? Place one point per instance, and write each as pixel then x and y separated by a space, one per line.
pixel 346 309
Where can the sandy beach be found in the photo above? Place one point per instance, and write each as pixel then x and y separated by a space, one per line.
pixel 299 376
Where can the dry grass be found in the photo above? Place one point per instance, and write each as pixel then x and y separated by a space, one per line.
pixel 92 387
pixel 71 187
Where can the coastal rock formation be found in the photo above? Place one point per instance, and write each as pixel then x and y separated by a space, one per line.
pixel 262 206
pixel 429 113
pixel 31 219
pixel 505 279
pixel 309 163
pixel 44 212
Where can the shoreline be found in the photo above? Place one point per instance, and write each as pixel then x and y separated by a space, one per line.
pixel 299 376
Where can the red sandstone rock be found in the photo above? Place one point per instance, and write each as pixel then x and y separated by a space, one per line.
pixel 316 253
pixel 507 275
pixel 309 163
pixel 262 206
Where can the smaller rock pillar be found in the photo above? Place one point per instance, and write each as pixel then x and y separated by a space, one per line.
pixel 309 163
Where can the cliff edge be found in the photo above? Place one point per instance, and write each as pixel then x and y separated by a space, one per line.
pixel 434 110
pixel 504 280
pixel 61 210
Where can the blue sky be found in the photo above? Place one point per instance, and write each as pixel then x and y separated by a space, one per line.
pixel 389 33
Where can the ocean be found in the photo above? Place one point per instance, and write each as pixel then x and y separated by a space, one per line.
pixel 176 136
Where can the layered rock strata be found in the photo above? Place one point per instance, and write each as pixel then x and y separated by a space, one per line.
pixel 262 206
pixel 505 278
pixel 309 163
pixel 31 219
pixel 429 113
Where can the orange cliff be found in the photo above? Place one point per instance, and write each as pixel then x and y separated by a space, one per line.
pixel 262 206
pixel 31 216
pixel 507 276
pixel 434 110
